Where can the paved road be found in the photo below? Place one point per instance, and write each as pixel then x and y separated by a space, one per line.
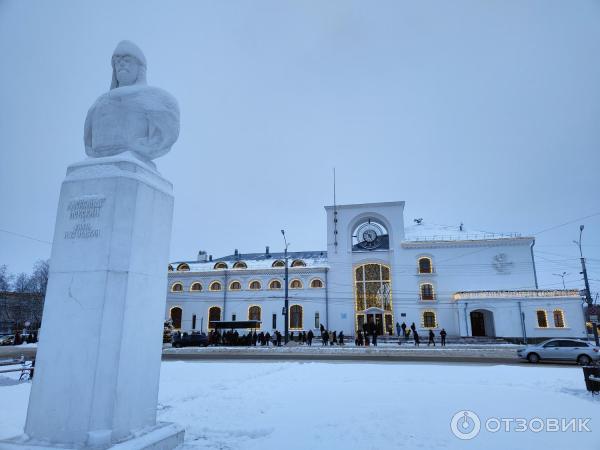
pixel 335 357
pixel 458 355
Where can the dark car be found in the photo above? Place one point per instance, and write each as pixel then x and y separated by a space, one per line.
pixel 189 340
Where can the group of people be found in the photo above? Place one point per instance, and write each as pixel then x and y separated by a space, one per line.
pixel 253 339
pixel 365 337
pixel 406 331
pixel 331 337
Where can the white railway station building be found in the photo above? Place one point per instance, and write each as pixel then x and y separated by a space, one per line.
pixel 377 270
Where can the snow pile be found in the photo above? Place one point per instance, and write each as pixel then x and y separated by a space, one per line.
pixel 292 405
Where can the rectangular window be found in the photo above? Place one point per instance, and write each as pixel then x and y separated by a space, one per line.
pixel 233 317
pixel 559 319
pixel 274 321
pixel 542 319
pixel 317 321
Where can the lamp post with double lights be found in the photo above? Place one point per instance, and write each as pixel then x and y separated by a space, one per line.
pixel 286 308
pixel 588 294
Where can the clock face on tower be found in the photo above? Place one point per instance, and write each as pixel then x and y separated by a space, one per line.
pixel 369 235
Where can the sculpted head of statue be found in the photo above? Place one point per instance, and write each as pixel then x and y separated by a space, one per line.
pixel 128 65
pixel 131 116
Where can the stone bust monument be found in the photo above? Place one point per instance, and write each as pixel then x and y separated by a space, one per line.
pixel 131 116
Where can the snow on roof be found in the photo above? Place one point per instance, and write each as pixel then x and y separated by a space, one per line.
pixel 425 231
pixel 258 260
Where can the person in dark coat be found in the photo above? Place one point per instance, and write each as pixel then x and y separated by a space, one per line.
pixel 431 338
pixel 341 338
pixel 443 337
pixel 278 338
pixel 325 338
pixel 416 337
pixel 404 330
pixel 413 327
pixel 398 329
pixel 309 337
pixel 292 336
pixel 334 340
pixel 375 338
pixel 267 338
pixel 254 338
pixel 304 337
pixel 359 338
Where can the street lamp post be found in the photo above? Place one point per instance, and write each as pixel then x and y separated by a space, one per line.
pixel 588 294
pixel 286 308
pixel 562 275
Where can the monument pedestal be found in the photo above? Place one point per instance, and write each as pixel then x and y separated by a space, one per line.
pixel 99 355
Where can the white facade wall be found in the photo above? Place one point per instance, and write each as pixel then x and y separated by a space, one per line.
pixel 238 302
pixel 459 264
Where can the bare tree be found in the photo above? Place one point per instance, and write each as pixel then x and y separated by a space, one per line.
pixel 23 283
pixel 5 278
pixel 39 278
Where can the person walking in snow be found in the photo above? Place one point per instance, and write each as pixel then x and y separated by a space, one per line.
pixel 334 338
pixel 341 338
pixel 359 338
pixel 431 338
pixel 443 337
pixel 309 337
pixel 404 331
pixel 416 337
pixel 398 328
pixel 375 338
pixel 278 338
pixel 413 327
pixel 267 338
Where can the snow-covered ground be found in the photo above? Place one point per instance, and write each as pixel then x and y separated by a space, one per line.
pixel 295 405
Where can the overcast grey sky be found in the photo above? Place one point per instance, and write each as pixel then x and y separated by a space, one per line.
pixel 482 112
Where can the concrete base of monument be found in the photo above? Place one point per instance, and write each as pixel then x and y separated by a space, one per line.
pixel 164 436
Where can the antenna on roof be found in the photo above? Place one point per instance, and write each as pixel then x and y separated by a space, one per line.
pixel 335 220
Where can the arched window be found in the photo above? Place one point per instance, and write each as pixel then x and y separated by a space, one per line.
pixel 196 287
pixel 542 318
pixel 176 313
pixel 170 268
pixel 373 287
pixel 298 263
pixel 220 265
pixel 240 265
pixel 214 315
pixel 254 285
pixel 275 284
pixel 235 286
pixel 278 263
pixel 316 283
pixel 428 320
pixel 427 292
pixel 254 313
pixel 177 287
pixel 296 284
pixel 215 286
pixel 425 265
pixel 559 318
pixel 183 267
pixel 296 317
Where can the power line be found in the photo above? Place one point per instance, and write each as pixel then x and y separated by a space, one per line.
pixel 567 223
pixel 24 236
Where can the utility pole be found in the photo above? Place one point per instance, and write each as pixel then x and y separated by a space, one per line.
pixel 588 294
pixel 286 308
